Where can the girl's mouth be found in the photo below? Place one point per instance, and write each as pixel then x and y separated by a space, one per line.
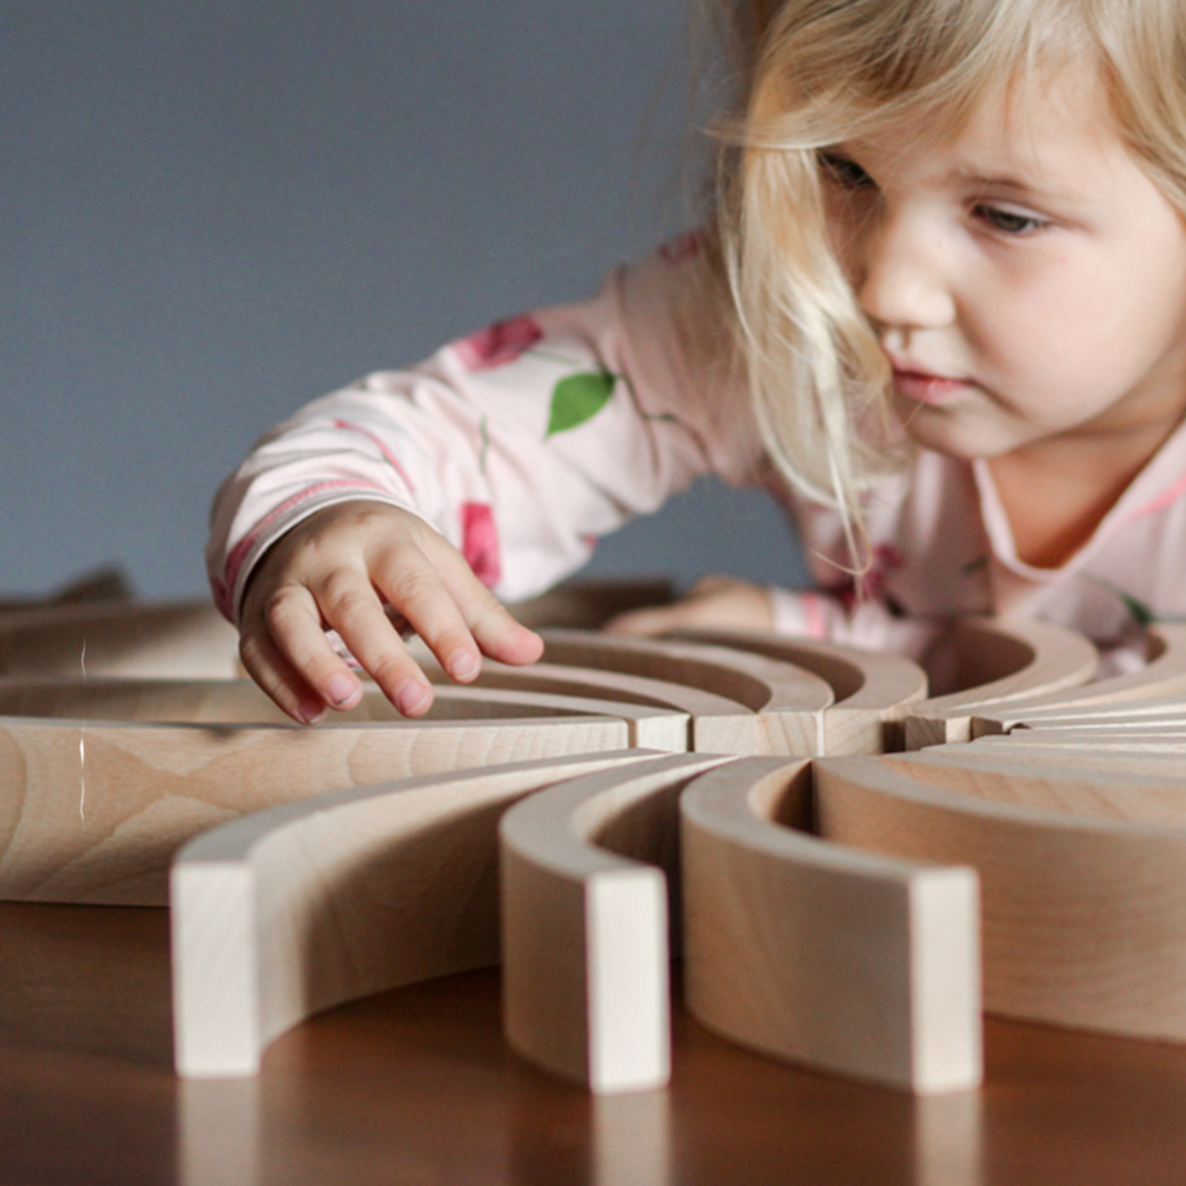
pixel 925 388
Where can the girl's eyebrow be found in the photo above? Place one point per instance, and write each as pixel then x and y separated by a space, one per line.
pixel 1035 187
pixel 1014 181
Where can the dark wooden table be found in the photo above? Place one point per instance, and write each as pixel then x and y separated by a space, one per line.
pixel 417 1087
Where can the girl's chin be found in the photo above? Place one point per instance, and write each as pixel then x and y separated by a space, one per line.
pixel 947 432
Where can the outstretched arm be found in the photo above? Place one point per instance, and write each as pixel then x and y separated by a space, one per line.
pixel 486 472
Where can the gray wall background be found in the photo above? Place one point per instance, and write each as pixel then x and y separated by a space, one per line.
pixel 215 210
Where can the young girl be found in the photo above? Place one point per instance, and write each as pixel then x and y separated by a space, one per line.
pixel 941 315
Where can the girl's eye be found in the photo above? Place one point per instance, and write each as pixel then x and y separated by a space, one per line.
pixel 1010 222
pixel 844 171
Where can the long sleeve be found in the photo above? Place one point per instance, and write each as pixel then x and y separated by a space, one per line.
pixel 521 443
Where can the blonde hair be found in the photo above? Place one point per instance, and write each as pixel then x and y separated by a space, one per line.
pixel 811 73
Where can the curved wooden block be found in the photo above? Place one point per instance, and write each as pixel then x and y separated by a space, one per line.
pixel 1084 918
pixel 240 702
pixel 785 704
pixel 172 640
pixel 1105 784
pixel 1131 733
pixel 1124 714
pixel 588 603
pixel 850 962
pixel 91 811
pixel 585 923
pixel 107 583
pixel 873 691
pixel 719 712
pixel 1000 662
pixel 287 912
pixel 1162 682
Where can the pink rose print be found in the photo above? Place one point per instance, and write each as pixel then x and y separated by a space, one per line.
pixel 479 542
pixel 498 344
pixel 682 247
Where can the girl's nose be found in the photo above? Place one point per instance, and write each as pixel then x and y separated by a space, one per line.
pixel 904 282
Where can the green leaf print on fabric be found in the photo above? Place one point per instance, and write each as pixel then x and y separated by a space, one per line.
pixel 577 399
pixel 1141 613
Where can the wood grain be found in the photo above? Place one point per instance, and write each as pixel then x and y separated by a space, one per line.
pixel 1161 680
pixel 873 691
pixel 290 911
pixel 1000 662
pixel 585 870
pixel 171 640
pixel 93 811
pixel 1084 919
pixel 783 705
pixel 850 962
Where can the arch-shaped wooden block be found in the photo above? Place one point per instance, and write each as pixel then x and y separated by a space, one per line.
pixel 587 603
pixel 290 911
pixel 1084 916
pixel 1000 662
pixel 873 691
pixel 91 811
pixel 1161 682
pixel 784 704
pixel 704 713
pixel 240 702
pixel 585 923
pixel 850 962
pixel 1085 737
pixel 171 640
pixel 1108 784
pixel 1126 713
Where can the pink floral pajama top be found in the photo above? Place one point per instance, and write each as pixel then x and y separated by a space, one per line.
pixel 525 442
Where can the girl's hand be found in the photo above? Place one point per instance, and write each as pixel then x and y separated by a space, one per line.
pixel 346 568
pixel 719 603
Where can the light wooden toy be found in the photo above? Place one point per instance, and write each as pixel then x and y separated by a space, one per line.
pixel 123 736
pixel 287 912
pixel 1084 916
pixel 171 640
pixel 1160 684
pixel 872 691
pixel 1132 734
pixel 785 704
pixel 587 603
pixel 1159 687
pixel 692 703
pixel 1000 662
pixel 92 810
pixel 848 961
pixel 586 867
pixel 107 583
pixel 712 720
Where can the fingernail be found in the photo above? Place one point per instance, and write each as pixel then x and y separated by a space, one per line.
pixel 312 712
pixel 340 689
pixel 411 697
pixel 463 665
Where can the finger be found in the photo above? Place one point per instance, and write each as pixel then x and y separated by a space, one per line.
pixel 493 628
pixel 349 604
pixel 277 676
pixel 292 624
pixel 711 585
pixel 418 593
pixel 650 620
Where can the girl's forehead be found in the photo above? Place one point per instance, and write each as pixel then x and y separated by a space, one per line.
pixel 1045 126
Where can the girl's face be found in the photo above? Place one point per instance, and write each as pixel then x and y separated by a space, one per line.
pixel 1025 277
